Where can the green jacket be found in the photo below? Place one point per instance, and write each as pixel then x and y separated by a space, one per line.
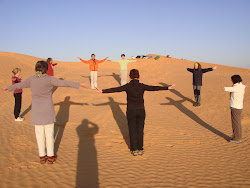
pixel 123 63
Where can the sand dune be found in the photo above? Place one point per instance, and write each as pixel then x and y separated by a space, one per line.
pixel 184 146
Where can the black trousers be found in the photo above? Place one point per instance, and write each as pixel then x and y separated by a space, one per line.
pixel 136 121
pixel 18 104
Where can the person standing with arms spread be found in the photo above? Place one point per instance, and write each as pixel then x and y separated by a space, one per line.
pixel 237 92
pixel 50 63
pixel 197 81
pixel 42 111
pixel 123 68
pixel 135 108
pixel 93 66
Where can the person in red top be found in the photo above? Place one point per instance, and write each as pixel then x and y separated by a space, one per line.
pixel 17 94
pixel 93 66
pixel 50 71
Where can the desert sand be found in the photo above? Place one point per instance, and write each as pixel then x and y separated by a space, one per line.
pixel 184 146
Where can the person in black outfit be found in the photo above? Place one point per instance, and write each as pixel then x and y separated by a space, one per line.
pixel 135 108
pixel 197 81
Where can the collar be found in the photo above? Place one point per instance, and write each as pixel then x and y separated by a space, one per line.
pixel 134 79
pixel 40 74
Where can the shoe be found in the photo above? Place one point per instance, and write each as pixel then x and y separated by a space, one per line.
pixel 198 104
pixel 51 159
pixel 140 152
pixel 195 104
pixel 43 159
pixel 134 153
pixel 236 142
pixel 19 119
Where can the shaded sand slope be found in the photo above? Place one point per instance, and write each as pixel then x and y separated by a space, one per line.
pixel 184 146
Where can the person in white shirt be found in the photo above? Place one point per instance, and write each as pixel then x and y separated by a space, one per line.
pixel 237 92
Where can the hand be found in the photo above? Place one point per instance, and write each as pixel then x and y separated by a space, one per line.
pixel 85 85
pixel 98 90
pixel 172 86
pixel 215 67
pixel 5 88
pixel 223 89
pixel 246 84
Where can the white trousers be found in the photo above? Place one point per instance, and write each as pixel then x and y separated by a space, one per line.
pixel 123 76
pixel 45 133
pixel 93 79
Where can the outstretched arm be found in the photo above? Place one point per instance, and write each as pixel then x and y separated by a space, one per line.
pixel 21 85
pixel 157 88
pixel 54 64
pixel 209 69
pixel 87 62
pixel 64 83
pixel 113 90
pixel 115 61
pixel 132 61
pixel 101 61
pixel 230 89
pixel 190 70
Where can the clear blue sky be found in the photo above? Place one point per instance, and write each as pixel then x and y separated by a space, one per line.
pixel 214 31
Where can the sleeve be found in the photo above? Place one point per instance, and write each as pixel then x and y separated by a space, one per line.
pixel 63 83
pixel 87 62
pixel 54 64
pixel 115 89
pixel 190 70
pixel 230 89
pixel 21 85
pixel 131 61
pixel 115 61
pixel 153 88
pixel 207 70
pixel 101 61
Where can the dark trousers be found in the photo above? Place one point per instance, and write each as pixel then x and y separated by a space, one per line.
pixel 18 104
pixel 136 120
pixel 197 94
pixel 236 124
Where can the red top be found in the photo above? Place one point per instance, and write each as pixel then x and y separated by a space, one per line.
pixel 50 71
pixel 14 81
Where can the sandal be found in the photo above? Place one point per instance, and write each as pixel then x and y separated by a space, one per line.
pixel 51 159
pixel 43 160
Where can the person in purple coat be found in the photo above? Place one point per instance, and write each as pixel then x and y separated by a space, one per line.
pixel 42 111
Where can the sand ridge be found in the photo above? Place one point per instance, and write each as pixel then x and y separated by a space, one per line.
pixel 184 146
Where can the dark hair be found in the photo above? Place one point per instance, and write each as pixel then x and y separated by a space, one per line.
pixel 236 79
pixel 123 55
pixel 134 74
pixel 49 60
pixel 92 54
pixel 41 66
pixel 199 66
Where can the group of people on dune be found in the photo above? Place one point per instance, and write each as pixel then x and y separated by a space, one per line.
pixel 43 113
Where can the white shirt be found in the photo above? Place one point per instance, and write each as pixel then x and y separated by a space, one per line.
pixel 237 92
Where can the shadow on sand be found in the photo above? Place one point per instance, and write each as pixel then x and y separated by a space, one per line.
pixel 190 114
pixel 119 116
pixel 62 118
pixel 116 77
pixel 87 165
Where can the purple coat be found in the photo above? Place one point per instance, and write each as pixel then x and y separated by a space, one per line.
pixel 42 108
